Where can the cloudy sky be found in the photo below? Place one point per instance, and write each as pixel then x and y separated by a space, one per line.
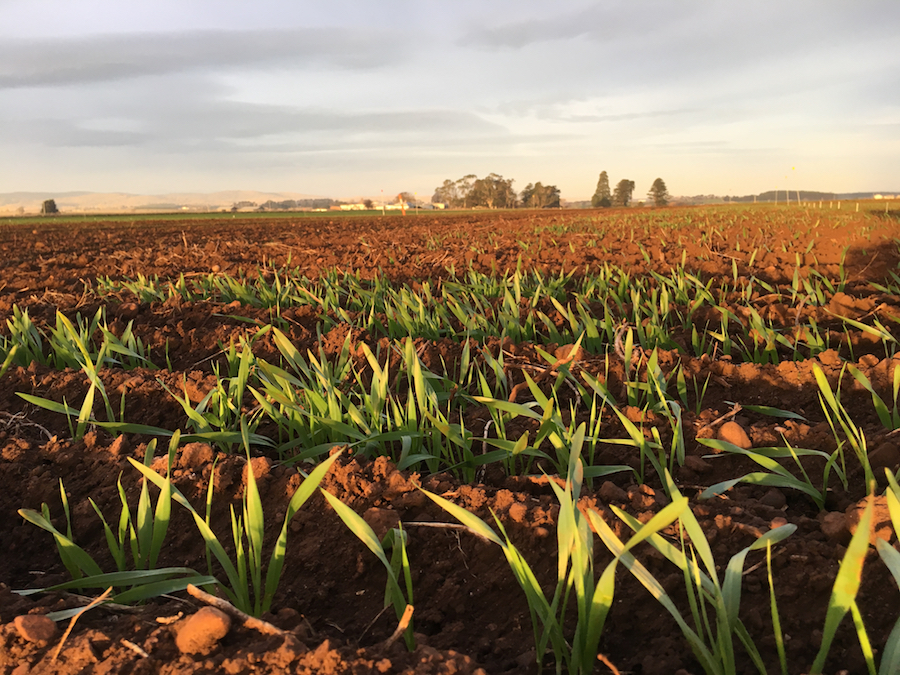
pixel 351 97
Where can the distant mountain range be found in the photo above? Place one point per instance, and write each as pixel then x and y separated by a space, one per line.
pixel 12 203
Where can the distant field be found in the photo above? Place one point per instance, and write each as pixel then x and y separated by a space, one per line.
pixel 727 377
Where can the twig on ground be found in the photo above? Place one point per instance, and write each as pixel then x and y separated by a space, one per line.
pixel 550 370
pixel 249 621
pixel 133 647
pixel 371 623
pixel 716 422
pixel 446 526
pixel 96 601
pixel 18 419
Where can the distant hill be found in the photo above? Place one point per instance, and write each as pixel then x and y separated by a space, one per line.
pixel 807 196
pixel 12 203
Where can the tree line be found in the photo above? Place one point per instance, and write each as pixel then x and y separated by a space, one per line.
pixel 623 192
pixel 494 192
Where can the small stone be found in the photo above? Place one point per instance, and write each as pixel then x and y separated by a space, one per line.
pixel 885 456
pixel 36 628
pixel 518 512
pixel 834 526
pixel 777 522
pixel 287 615
pixel 526 659
pixel 642 498
pixel 119 446
pixel 697 464
pixel 261 468
pixel 129 310
pixel 612 493
pixel 732 432
pixel 774 498
pixel 202 631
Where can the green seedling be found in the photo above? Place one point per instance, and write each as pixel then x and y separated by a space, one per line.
pixel 394 540
pixel 890 655
pixel 776 475
pixel 144 534
pixel 843 596
pixel 888 416
pixel 246 587
pixel 714 604
pixel 837 415
pixel 574 650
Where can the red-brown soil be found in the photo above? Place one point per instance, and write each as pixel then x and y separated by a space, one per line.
pixel 470 615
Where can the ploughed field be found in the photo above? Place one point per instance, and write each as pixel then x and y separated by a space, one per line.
pixel 723 381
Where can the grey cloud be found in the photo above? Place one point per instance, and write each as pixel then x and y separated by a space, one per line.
pixel 607 22
pixel 61 61
pixel 57 133
pixel 185 120
pixel 235 121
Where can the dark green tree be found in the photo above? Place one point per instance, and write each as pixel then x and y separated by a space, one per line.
pixel 493 192
pixel 464 187
pixel 49 206
pixel 659 194
pixel 540 196
pixel 622 194
pixel 601 198
pixel 455 194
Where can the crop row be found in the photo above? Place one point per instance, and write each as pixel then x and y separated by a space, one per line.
pixel 745 318
pixel 568 622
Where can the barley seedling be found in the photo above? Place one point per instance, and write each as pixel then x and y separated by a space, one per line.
pixel 843 597
pixel 246 587
pixel 575 572
pixel 889 417
pixel 714 604
pixel 144 534
pixel 394 540
pixel 830 402
pixel 775 474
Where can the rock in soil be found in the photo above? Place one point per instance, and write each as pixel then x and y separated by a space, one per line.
pixel 36 628
pixel 732 432
pixel 201 632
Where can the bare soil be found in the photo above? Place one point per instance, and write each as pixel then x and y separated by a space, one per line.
pixel 470 614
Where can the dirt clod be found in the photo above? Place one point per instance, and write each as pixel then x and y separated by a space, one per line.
pixel 194 455
pixel 732 432
pixel 202 631
pixel 881 527
pixel 36 628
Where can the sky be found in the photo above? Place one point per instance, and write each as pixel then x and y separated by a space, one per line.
pixel 355 98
